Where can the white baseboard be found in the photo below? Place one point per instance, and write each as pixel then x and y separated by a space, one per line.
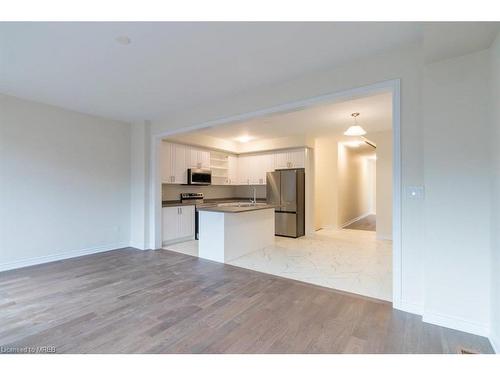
pixel 408 307
pixel 355 219
pixel 138 245
pixel 384 237
pixel 455 323
pixel 495 343
pixel 60 256
pixel 177 240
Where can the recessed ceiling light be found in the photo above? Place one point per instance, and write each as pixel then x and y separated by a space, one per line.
pixel 244 138
pixel 123 39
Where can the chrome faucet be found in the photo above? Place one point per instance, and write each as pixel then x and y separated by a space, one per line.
pixel 254 200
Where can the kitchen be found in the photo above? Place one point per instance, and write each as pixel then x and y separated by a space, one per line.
pixel 283 194
pixel 199 182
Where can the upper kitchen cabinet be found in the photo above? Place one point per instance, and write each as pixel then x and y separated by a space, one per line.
pixel 289 159
pixel 174 168
pixel 177 158
pixel 199 158
pixel 232 170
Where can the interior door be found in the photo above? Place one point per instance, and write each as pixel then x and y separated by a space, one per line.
pixel 289 190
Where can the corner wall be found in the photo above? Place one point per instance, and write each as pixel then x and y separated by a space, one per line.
pixel 495 230
pixel 64 183
pixel 457 197
pixel 384 183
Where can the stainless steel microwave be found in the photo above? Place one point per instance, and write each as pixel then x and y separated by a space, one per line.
pixel 199 176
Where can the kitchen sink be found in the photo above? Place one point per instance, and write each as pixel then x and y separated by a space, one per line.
pixel 241 204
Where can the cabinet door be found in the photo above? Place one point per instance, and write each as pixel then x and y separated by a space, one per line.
pixel 232 172
pixel 266 164
pixel 170 223
pixel 181 158
pixel 281 160
pixel 297 158
pixel 244 170
pixel 168 162
pixel 204 159
pixel 186 221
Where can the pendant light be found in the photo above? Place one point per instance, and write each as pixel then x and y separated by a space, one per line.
pixel 355 130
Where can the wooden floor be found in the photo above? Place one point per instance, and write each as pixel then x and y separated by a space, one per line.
pixel 367 223
pixel 130 301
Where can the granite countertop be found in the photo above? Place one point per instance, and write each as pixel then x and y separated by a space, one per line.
pixel 236 209
pixel 208 202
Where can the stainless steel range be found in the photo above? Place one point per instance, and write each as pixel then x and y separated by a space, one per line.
pixel 195 198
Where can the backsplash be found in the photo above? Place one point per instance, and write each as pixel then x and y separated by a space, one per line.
pixel 172 192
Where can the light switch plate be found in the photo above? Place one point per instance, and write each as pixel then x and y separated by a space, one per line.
pixel 415 192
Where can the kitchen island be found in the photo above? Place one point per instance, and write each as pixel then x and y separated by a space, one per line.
pixel 228 231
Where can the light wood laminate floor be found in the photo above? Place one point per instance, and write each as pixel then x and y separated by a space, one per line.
pixel 131 301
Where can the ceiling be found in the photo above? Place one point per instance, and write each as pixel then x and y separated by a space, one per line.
pixel 175 66
pixel 170 66
pixel 332 119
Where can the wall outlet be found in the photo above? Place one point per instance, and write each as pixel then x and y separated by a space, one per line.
pixel 415 192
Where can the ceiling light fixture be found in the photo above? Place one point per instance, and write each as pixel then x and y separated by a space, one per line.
pixel 244 138
pixel 355 130
pixel 123 39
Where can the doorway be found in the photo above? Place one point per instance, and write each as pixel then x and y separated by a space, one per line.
pixel 389 86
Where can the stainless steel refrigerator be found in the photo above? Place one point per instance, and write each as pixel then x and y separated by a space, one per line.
pixel 286 189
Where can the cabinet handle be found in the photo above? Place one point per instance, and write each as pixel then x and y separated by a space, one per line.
pixel 181 210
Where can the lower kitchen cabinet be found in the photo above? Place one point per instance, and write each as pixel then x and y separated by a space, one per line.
pixel 178 223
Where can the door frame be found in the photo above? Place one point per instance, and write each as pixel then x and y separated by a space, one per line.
pixel 393 86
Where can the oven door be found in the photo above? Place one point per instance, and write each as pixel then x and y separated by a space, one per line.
pixel 199 176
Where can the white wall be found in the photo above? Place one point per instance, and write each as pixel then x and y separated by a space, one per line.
pixel 457 208
pixel 383 140
pixel 139 185
pixel 64 183
pixel 325 182
pixel 495 142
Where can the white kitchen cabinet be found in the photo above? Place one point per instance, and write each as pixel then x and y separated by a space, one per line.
pixel 173 164
pixel 178 223
pixel 198 158
pixel 232 170
pixel 252 169
pixel 177 158
pixel 226 169
pixel 289 159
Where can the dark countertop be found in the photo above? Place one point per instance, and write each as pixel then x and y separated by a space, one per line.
pixel 229 209
pixel 208 202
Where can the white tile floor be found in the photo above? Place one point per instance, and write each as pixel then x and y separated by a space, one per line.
pixel 349 260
